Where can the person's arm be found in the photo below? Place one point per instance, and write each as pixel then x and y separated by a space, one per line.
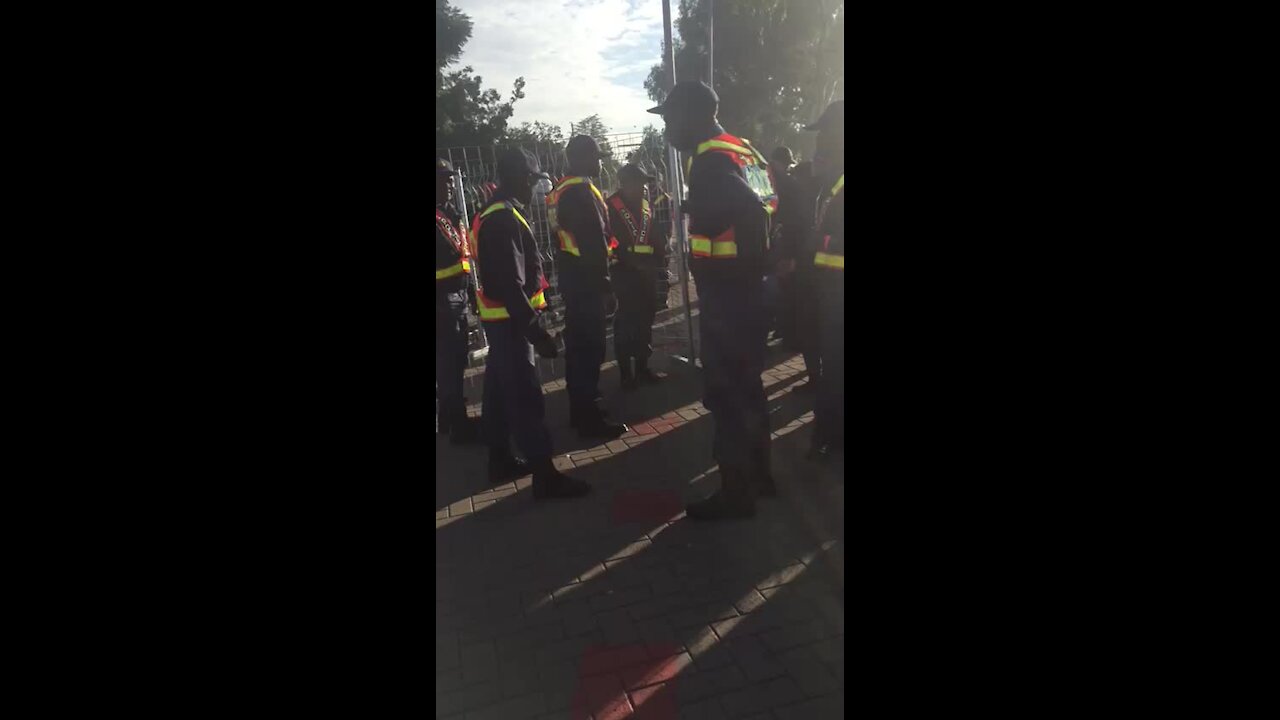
pixel 502 266
pixel 581 217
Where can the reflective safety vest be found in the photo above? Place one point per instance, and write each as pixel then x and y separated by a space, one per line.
pixel 568 243
pixel 759 177
pixel 492 310
pixel 826 257
pixel 639 238
pixel 459 242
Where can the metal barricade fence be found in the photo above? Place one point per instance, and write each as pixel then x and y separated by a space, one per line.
pixel 477 165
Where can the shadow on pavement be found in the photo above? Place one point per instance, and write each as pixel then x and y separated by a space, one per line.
pixel 613 608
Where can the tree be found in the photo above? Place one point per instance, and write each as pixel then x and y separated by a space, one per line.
pixel 453 30
pixel 778 64
pixel 466 114
pixel 535 133
pixel 651 153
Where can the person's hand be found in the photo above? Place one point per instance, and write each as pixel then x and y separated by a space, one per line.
pixel 545 345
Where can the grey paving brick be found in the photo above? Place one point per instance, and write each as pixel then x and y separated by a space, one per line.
pixel 829 707
pixel 787 637
pixel 811 675
pixel 470 698
pixel 524 707
pixel 708 709
pixel 480 658
pixel 751 699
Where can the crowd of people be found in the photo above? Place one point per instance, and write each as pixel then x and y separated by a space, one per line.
pixel 766 247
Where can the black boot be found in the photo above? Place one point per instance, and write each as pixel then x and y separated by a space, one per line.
pixel 596 426
pixel 550 484
pixel 504 467
pixel 645 375
pixel 735 499
pixel 761 471
pixel 628 375
pixel 464 431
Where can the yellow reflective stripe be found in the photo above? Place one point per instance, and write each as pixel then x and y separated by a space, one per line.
pixel 702 246
pixel 567 244
pixel 642 249
pixel 835 262
pixel 491 314
pixel 488 314
pixel 838 186
pixel 505 206
pixel 452 270
pixel 721 145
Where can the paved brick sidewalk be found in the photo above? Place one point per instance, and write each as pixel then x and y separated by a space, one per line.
pixel 614 605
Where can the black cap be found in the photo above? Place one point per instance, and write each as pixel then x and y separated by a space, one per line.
pixel 834 115
pixel 632 172
pixel 690 95
pixel 444 168
pixel 516 162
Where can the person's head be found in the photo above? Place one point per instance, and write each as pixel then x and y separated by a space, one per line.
pixel 689 110
pixel 444 182
pixel 828 158
pixel 518 172
pixel 584 156
pixel 782 159
pixel 633 181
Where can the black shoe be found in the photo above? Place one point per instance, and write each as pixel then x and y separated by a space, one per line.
pixel 465 432
pixel 550 484
pixel 650 377
pixel 722 506
pixel 600 429
pixel 505 469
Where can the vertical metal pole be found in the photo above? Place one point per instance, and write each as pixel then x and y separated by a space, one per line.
pixel 474 279
pixel 711 45
pixel 676 183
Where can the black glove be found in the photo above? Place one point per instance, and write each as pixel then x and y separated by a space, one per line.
pixel 544 344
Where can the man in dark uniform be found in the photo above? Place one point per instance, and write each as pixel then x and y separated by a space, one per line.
pixel 580 222
pixel 784 229
pixel 510 299
pixel 730 197
pixel 797 208
pixel 453 286
pixel 828 166
pixel 642 259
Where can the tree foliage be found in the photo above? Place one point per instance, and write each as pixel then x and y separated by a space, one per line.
pixel 536 132
pixel 651 154
pixel 778 64
pixel 466 113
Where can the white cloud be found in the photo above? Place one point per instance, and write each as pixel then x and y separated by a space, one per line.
pixel 578 58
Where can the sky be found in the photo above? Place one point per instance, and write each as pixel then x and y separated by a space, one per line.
pixel 578 57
